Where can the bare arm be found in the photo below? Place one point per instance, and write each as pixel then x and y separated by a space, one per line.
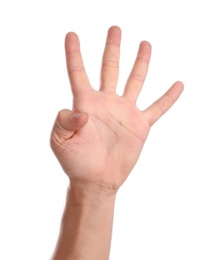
pixel 98 143
pixel 86 225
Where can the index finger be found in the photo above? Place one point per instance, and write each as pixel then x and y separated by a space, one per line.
pixel 77 75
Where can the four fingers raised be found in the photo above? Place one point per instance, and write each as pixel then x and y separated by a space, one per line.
pixel 110 72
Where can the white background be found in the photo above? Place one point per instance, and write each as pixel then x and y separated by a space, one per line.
pixel 163 209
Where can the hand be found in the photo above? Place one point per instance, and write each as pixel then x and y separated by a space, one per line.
pixel 100 140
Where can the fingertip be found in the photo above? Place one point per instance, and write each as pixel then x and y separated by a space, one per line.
pixel 145 45
pixel 115 28
pixel 71 120
pixel 114 35
pixel 71 35
pixel 71 42
pixel 176 89
pixel 82 116
pixel 144 51
pixel 79 119
pixel 180 85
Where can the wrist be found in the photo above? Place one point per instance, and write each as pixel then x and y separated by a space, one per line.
pixel 85 193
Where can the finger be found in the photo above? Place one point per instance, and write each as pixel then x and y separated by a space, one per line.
pixel 139 71
pixel 110 61
pixel 75 67
pixel 66 123
pixel 162 105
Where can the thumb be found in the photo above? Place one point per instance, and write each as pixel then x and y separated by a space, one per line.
pixel 67 122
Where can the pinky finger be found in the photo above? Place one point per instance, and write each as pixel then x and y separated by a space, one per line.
pixel 164 103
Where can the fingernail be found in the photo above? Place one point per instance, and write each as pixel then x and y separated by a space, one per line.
pixel 76 116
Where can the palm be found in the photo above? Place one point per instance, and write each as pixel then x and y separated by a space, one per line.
pixel 113 137
pixel 116 129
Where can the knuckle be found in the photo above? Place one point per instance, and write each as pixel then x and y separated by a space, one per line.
pixel 138 77
pixel 111 63
pixel 76 69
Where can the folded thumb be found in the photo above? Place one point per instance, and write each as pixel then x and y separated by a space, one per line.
pixel 67 122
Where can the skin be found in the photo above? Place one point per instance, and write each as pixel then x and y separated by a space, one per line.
pixel 98 143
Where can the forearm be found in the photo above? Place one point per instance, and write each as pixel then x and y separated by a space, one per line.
pixel 86 226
